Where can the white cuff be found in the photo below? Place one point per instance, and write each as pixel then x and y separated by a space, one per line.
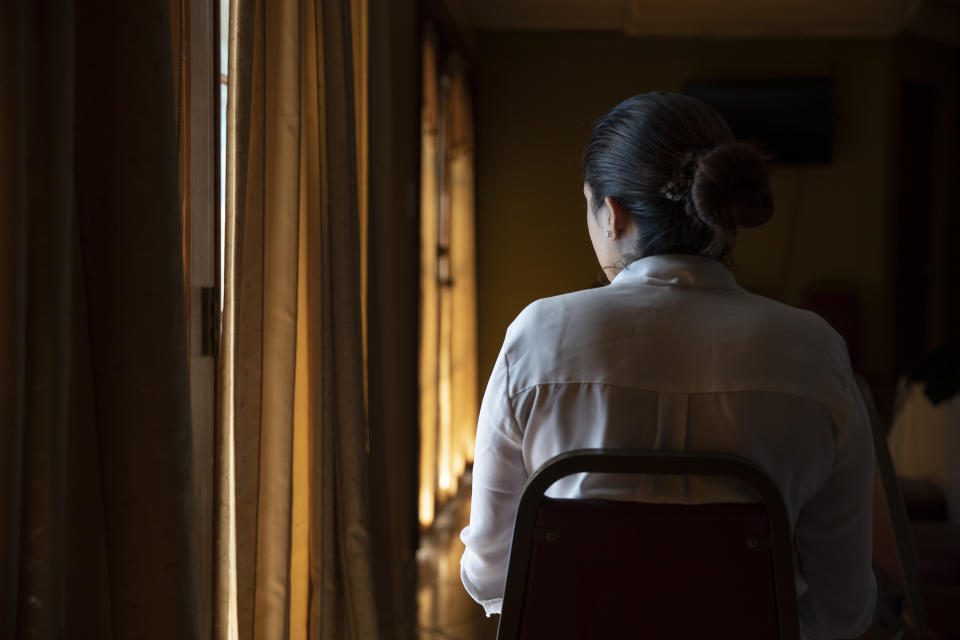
pixel 490 605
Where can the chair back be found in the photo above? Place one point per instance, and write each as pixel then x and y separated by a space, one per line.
pixel 616 569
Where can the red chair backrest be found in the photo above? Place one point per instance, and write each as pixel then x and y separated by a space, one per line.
pixel 604 569
pixel 620 569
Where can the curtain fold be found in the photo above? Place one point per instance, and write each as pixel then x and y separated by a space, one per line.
pixel 448 320
pixel 293 535
pixel 394 256
pixel 342 605
pixel 463 265
pixel 429 291
pixel 96 491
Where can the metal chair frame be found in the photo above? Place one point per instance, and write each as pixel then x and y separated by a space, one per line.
pixel 899 520
pixel 658 463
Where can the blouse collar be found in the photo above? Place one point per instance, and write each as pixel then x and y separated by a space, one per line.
pixel 678 270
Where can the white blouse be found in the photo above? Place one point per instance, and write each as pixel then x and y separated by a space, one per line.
pixel 673 355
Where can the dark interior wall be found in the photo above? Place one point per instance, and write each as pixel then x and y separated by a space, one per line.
pixel 925 198
pixel 538 95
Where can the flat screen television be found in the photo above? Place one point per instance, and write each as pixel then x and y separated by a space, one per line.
pixel 792 120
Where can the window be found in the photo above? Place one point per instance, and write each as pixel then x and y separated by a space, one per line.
pixel 224 20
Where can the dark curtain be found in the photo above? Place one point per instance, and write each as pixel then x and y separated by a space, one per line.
pixel 95 461
pixel 393 308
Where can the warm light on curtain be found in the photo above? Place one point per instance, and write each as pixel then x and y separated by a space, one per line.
pixel 303 408
pixel 429 213
pixel 293 552
pixel 448 333
pixel 225 557
pixel 463 289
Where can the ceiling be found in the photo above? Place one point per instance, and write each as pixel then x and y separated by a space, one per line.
pixel 690 18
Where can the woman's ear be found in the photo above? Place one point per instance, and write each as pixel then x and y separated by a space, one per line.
pixel 617 216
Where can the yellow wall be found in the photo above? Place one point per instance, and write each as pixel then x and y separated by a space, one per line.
pixel 538 96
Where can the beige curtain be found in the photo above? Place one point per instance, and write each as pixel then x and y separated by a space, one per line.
pixel 293 544
pixel 429 292
pixel 459 174
pixel 95 453
pixel 448 325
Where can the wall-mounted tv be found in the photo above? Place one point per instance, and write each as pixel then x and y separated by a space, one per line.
pixel 792 120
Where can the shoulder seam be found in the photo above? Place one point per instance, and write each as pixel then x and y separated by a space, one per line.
pixel 787 392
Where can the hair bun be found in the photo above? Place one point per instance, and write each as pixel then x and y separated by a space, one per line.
pixel 731 186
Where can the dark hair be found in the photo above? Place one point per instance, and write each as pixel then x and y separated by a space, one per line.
pixel 674 165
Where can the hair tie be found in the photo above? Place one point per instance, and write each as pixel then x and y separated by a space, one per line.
pixel 679 186
pixel 675 191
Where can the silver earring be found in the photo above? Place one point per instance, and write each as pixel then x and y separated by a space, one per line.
pixel 609 233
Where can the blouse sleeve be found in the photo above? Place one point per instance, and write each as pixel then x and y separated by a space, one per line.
pixel 833 535
pixel 498 479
